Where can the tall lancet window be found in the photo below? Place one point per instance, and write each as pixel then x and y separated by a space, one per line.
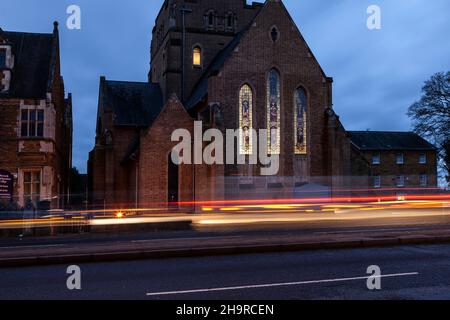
pixel 273 112
pixel 300 121
pixel 246 119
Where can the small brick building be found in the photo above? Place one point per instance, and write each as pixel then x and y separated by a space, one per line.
pixel 35 121
pixel 230 65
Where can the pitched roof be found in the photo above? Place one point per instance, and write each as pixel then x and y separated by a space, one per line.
pixel 384 141
pixel 32 63
pixel 133 103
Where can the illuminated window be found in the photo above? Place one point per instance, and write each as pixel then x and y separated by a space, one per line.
pixel 300 124
pixel 197 57
pixel 32 123
pixel 273 112
pixel 246 119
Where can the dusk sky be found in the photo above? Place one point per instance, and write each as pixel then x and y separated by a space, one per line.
pixel 377 74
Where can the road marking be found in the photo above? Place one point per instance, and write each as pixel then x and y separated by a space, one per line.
pixel 37 246
pixel 369 230
pixel 194 238
pixel 271 285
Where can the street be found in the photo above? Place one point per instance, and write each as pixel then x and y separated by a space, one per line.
pixel 412 272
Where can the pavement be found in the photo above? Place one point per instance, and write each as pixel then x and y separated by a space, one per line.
pixel 407 272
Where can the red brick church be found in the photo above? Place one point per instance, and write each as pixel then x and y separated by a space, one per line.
pixel 233 65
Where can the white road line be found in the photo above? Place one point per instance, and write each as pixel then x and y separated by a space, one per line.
pixel 28 247
pixel 278 284
pixel 369 230
pixel 195 238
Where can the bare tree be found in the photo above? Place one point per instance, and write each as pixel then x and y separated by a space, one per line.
pixel 431 116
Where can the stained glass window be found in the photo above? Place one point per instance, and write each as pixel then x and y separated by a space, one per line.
pixel 246 119
pixel 300 115
pixel 273 112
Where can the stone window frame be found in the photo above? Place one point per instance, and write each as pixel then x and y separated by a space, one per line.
pixel 400 158
pixel 423 158
pixel 251 88
pixel 274 29
pixel 38 110
pixel 23 195
pixel 279 147
pixel 301 86
pixel 376 158
pixel 3 58
pixel 376 181
pixel 423 180
pixel 400 181
pixel 210 20
pixel 230 15
pixel 199 47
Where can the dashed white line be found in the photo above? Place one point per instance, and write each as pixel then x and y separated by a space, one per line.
pixel 271 285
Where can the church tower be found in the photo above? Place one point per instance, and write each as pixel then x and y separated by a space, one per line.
pixel 203 28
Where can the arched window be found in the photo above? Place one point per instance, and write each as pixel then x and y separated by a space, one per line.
pixel 300 121
pixel 246 120
pixel 210 20
pixel 197 56
pixel 229 21
pixel 273 112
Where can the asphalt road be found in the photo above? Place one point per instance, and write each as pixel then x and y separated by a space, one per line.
pixel 412 272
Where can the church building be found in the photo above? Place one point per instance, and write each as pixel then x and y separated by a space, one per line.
pixel 230 65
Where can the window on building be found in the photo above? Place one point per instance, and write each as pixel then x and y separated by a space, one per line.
pixel 423 180
pixel 377 181
pixel 2 58
pixel 246 119
pixel 31 187
pixel 376 158
pixel 273 112
pixel 400 181
pixel 197 57
pixel 229 21
pixel 300 121
pixel 32 123
pixel 274 34
pixel 210 20
pixel 423 158
pixel 400 158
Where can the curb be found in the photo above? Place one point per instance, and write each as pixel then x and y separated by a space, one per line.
pixel 218 251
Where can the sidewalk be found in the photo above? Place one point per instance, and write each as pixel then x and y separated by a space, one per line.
pixel 195 247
